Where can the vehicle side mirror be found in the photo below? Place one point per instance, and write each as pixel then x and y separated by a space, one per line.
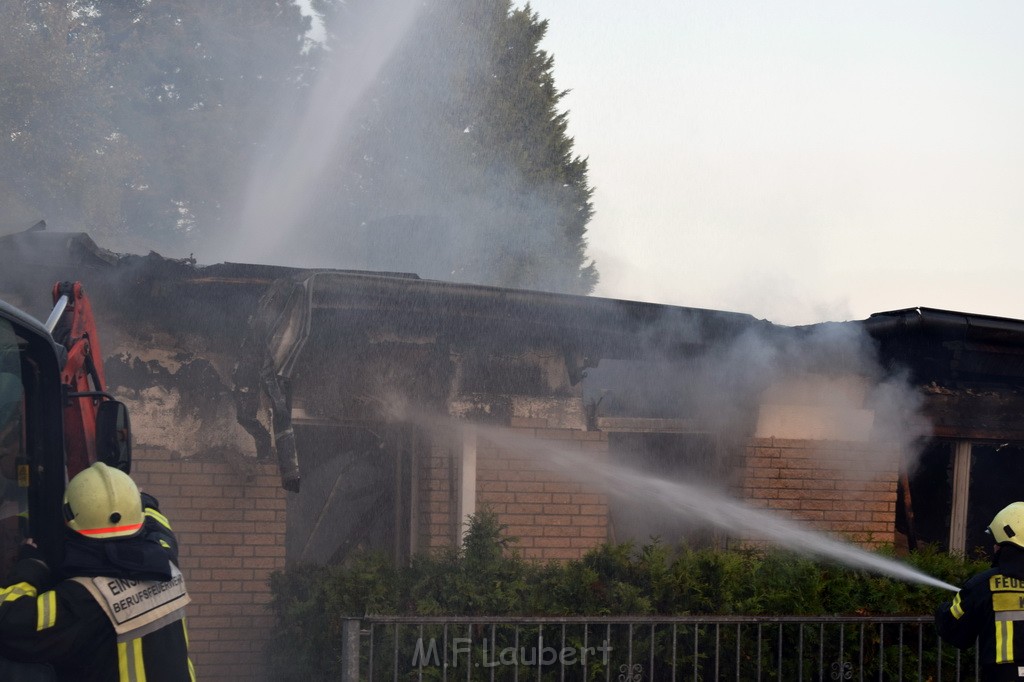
pixel 114 435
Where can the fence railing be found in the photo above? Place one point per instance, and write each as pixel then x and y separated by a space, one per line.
pixel 644 649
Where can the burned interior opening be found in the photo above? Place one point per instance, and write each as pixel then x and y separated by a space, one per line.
pixel 356 493
pixel 996 474
pixel 931 486
pixel 995 471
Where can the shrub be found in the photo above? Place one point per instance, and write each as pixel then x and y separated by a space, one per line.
pixel 486 575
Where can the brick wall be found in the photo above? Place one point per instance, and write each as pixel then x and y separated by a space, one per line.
pixel 436 527
pixel 552 516
pixel 230 518
pixel 230 523
pixel 839 487
pixel 845 488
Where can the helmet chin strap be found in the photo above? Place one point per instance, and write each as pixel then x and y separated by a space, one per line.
pixel 994 554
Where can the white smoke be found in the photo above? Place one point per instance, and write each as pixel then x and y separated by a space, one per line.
pixel 818 383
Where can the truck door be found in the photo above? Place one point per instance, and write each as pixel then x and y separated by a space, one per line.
pixel 31 439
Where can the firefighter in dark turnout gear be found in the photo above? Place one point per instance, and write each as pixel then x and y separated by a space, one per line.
pixel 989 608
pixel 114 611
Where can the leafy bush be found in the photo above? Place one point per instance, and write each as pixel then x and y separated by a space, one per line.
pixel 487 576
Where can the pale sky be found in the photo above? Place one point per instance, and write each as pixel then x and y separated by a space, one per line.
pixel 800 161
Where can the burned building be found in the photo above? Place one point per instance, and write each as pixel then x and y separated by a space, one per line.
pixel 285 415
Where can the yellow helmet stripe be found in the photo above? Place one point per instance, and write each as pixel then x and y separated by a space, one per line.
pixel 112 530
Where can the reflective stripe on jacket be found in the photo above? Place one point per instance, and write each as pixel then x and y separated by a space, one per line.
pixel 989 610
pixel 67 628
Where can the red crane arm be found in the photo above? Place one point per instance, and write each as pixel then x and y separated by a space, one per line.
pixel 82 374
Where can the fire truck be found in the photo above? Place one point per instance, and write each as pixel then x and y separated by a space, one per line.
pixel 56 418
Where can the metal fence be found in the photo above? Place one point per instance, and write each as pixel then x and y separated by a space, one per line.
pixel 639 649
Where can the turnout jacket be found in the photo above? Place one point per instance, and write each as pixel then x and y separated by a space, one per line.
pixel 71 626
pixel 989 608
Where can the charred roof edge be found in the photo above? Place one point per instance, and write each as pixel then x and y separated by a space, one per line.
pixel 950 323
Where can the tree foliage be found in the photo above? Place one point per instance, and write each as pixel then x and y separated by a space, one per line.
pixel 144 123
pixel 58 148
pixel 130 119
pixel 197 85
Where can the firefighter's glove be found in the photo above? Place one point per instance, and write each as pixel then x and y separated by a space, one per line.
pixel 29 551
pixel 30 568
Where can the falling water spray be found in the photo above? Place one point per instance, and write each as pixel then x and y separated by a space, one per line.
pixel 729 515
pixel 284 185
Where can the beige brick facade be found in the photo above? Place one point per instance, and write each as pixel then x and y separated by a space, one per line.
pixel 845 488
pixel 550 516
pixel 436 515
pixel 231 519
pixel 230 523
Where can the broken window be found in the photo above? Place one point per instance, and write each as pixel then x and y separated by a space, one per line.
pixel 996 474
pixel 355 494
pixel 993 481
pixel 931 495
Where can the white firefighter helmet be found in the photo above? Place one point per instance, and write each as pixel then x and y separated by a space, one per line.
pixel 1008 525
pixel 103 502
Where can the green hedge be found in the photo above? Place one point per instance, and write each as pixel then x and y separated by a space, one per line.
pixel 487 576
